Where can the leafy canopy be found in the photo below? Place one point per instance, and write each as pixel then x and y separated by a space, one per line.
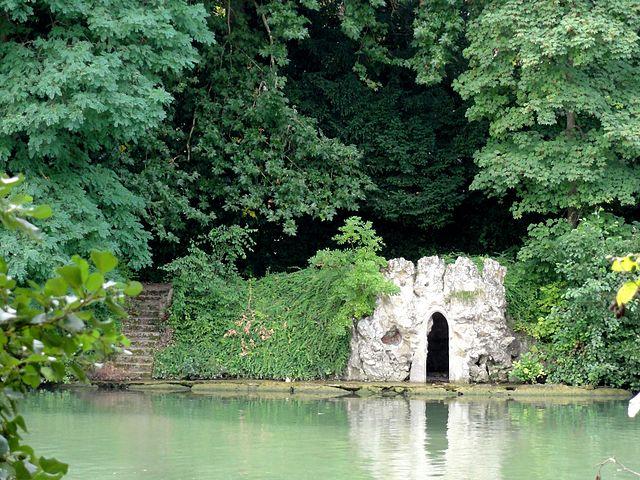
pixel 80 83
pixel 578 338
pixel 557 81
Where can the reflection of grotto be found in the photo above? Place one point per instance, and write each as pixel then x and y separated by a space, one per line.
pixel 418 440
pixel 438 348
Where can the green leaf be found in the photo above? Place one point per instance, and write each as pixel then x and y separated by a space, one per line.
pixel 626 293
pixel 133 289
pixel 115 307
pixel 53 466
pixel 3 266
pixel 48 373
pixel 21 199
pixel 94 282
pixel 30 376
pixel 20 422
pixel 56 287
pixel 79 372
pixel 4 446
pixel 72 275
pixel 83 265
pixel 40 212
pixel 104 261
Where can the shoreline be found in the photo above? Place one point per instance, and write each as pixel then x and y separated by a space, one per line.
pixel 361 389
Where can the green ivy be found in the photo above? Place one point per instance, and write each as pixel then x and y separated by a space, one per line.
pixel 287 325
pixel 529 368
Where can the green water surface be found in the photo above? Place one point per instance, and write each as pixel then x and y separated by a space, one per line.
pixel 128 435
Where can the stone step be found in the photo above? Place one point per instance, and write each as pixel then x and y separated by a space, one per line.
pixel 152 286
pixel 158 314
pixel 156 299
pixel 136 374
pixel 141 328
pixel 138 335
pixel 142 337
pixel 145 331
pixel 139 342
pixel 141 367
pixel 146 307
pixel 139 362
pixel 134 367
pixel 150 297
pixel 146 320
pixel 142 341
pixel 153 294
pixel 157 296
pixel 142 351
pixel 142 321
pixel 139 350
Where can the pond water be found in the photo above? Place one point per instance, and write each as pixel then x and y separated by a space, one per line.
pixel 128 435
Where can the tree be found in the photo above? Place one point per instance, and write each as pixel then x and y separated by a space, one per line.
pixel 258 159
pixel 415 143
pixel 558 82
pixel 80 84
pixel 46 329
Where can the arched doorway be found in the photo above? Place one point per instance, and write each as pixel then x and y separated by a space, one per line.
pixel 438 348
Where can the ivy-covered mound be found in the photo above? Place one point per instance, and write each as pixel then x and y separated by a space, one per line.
pixel 285 325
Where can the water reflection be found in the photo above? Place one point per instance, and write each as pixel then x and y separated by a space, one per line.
pixel 413 439
pixel 462 439
pixel 391 437
pixel 180 437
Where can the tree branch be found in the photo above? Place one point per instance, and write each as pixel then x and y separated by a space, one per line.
pixel 268 29
pixel 618 464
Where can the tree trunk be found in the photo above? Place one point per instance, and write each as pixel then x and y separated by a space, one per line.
pixel 573 213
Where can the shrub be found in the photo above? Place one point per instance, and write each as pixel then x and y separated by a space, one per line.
pixel 284 325
pixel 580 340
pixel 529 368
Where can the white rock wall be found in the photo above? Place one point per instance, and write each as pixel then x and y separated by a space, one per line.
pixel 481 345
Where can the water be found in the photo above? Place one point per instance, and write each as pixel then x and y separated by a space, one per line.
pixel 128 435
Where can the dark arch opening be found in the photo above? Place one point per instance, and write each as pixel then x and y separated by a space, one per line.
pixel 438 348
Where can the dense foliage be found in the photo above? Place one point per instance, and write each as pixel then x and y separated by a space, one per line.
pixel 78 84
pixel 556 80
pixel 286 325
pixel 578 339
pixel 48 329
pixel 226 140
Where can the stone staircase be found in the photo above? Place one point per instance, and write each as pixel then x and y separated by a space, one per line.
pixel 144 328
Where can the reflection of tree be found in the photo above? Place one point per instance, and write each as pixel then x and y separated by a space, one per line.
pixel 565 439
pixel 464 439
pixel 176 437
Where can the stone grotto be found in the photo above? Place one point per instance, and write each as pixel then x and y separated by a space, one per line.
pixel 448 322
